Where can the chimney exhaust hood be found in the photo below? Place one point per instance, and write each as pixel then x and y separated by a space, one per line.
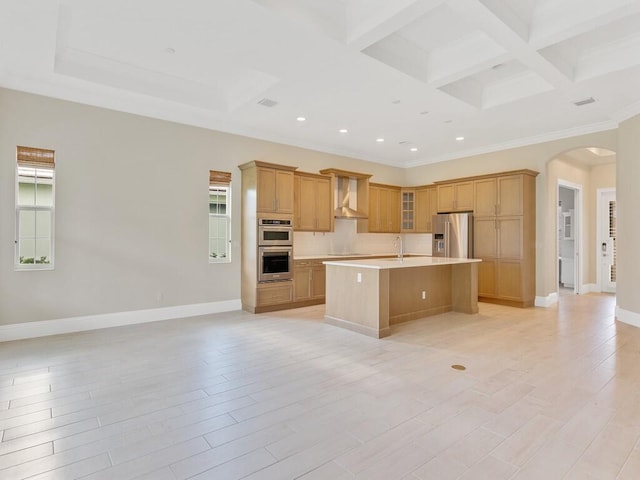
pixel 344 210
pixel 351 189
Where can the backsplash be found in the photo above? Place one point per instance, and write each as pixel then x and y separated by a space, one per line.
pixel 345 239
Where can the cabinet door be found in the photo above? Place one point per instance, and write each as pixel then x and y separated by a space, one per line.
pixel 408 213
pixel 374 209
pixel 307 212
pixel 296 202
pixel 266 190
pixel 324 205
pixel 318 280
pixel 485 237
pixel 486 197
pixel 302 281
pixel 487 286
pixel 393 211
pixel 510 195
pixel 510 237
pixel 284 191
pixel 422 211
pixel 433 207
pixel 509 280
pixel 383 210
pixel 464 196
pixel 446 197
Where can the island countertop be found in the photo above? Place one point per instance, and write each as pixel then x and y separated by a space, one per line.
pixel 395 262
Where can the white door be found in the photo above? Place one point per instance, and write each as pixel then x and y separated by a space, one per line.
pixel 607 236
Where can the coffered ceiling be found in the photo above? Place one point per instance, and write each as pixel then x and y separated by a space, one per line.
pixel 420 74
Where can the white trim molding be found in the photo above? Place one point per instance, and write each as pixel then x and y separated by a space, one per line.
pixel 625 316
pixel 547 301
pixel 19 331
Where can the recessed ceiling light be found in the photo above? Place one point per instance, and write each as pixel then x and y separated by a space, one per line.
pixel 413 149
pixel 460 138
pixel 169 50
pixel 380 140
pixel 301 119
pixel 343 130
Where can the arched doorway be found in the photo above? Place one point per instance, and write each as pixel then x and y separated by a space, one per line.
pixel 576 179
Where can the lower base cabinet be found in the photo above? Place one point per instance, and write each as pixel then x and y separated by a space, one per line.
pixel 273 293
pixel 309 280
pixel 504 281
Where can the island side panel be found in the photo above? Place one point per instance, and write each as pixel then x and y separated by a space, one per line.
pixel 464 285
pixel 359 306
pixel 406 287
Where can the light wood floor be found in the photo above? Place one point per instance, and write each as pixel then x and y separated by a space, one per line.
pixel 547 394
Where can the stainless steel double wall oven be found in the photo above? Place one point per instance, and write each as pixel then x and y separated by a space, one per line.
pixel 275 250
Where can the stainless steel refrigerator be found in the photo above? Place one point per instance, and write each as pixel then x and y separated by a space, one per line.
pixel 453 235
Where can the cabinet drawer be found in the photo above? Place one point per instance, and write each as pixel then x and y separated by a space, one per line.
pixel 274 294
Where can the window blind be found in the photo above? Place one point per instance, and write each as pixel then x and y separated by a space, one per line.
pixel 35 157
pixel 217 177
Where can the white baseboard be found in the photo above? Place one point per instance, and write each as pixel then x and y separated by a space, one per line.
pixel 19 331
pixel 625 316
pixel 547 301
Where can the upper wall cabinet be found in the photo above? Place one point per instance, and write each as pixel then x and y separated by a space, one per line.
pixel 501 196
pixel 384 208
pixel 313 205
pixel 274 190
pixel 455 197
pixel 419 205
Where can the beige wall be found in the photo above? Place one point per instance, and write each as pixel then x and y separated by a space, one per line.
pixel 628 202
pixel 131 208
pixel 131 205
pixel 602 176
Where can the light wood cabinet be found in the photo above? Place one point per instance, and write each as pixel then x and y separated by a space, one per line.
pixel 500 196
pixel 267 192
pixel 408 210
pixel 426 206
pixel 504 237
pixel 309 278
pixel 274 293
pixel 274 191
pixel 313 205
pixel 455 197
pixel 384 208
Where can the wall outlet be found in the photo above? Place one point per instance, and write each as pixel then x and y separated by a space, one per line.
pixel 424 295
pixel 359 277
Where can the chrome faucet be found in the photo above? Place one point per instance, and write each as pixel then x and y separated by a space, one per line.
pixel 400 248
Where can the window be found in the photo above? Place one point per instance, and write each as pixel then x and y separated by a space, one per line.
pixel 219 217
pixel 34 209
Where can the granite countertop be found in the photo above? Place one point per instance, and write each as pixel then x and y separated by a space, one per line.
pixel 407 262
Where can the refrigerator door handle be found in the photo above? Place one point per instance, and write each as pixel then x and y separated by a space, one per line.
pixel 447 232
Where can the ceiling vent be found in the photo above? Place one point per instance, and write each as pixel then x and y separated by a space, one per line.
pixel 267 102
pixel 586 101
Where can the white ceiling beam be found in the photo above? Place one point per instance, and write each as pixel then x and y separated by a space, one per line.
pixel 568 20
pixel 366 25
pixel 477 13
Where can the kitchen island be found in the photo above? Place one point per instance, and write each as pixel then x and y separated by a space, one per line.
pixel 367 296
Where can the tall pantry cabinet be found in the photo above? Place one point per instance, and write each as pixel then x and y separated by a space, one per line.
pixel 504 237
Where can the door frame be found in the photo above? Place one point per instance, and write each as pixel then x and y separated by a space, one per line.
pixel 599 238
pixel 577 228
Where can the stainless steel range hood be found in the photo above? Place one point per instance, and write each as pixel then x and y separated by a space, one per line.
pixel 345 209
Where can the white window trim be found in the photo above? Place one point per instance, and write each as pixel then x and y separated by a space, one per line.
pixel 36 208
pixel 227 217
